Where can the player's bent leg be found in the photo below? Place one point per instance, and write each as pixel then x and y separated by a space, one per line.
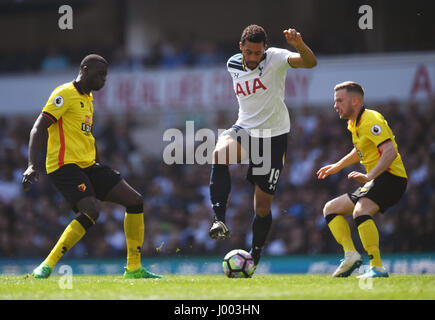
pixel 227 151
pixel 86 218
pixel 125 195
pixel 134 228
pixel 90 208
pixel 340 205
pixel 363 214
pixel 220 187
pixel 365 206
pixel 334 212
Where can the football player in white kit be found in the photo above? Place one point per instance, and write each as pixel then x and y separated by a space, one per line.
pixel 258 75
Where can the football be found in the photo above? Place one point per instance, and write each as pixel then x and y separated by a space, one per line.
pixel 238 264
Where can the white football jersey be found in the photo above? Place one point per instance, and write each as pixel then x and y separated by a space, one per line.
pixel 260 92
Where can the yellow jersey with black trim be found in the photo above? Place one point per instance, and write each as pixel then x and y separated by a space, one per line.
pixel 70 138
pixel 369 132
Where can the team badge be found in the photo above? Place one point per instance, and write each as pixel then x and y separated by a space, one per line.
pixel 81 187
pixel 376 130
pixel 87 120
pixel 58 101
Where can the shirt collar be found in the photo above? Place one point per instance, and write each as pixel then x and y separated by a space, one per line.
pixel 80 91
pixel 358 118
pixel 77 87
pixel 353 125
pixel 245 67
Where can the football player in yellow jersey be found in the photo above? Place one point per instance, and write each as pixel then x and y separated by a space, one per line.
pixel 385 180
pixel 73 165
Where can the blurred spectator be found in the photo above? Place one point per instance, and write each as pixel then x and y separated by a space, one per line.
pixel 206 53
pixel 173 55
pixel 54 61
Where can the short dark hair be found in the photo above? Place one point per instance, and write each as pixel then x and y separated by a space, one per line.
pixel 350 86
pixel 91 59
pixel 254 33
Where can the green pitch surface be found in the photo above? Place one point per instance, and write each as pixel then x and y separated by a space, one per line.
pixel 218 287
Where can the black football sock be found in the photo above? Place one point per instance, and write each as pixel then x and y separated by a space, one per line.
pixel 220 187
pixel 260 230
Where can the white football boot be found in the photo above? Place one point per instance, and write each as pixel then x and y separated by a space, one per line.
pixel 352 260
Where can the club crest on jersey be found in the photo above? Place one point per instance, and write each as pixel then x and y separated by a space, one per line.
pixel 261 71
pixel 88 120
pixel 376 130
pixel 81 187
pixel 58 101
pixel 248 88
pixel 87 126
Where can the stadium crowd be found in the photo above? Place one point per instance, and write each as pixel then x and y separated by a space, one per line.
pixel 177 210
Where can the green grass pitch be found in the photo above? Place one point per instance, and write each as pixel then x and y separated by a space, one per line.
pixel 218 287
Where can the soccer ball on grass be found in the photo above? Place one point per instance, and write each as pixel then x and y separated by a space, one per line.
pixel 238 264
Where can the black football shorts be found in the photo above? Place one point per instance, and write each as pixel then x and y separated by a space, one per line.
pixel 265 174
pixel 75 183
pixel 386 190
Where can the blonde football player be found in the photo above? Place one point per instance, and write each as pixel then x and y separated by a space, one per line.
pixel 384 182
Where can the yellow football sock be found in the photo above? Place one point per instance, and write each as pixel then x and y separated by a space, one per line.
pixel 73 233
pixel 341 232
pixel 134 229
pixel 370 239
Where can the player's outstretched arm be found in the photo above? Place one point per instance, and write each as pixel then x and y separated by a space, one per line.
pixel 349 159
pixel 36 141
pixel 306 58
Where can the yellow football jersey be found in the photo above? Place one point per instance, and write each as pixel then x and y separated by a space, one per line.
pixel 70 138
pixel 369 132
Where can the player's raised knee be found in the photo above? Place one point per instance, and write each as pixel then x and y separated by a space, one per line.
pixel 358 212
pixel 90 208
pixel 329 208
